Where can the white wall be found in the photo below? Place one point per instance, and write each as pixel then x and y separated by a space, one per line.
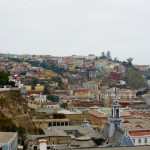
pixel 43 145
pixel 142 140
pixel 41 98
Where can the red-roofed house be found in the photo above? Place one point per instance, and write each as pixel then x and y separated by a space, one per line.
pixel 140 137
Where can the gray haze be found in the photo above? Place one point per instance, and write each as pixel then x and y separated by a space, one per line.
pixel 81 27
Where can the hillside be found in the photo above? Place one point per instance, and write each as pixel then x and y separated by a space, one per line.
pixel 12 106
pixel 108 81
pixel 134 79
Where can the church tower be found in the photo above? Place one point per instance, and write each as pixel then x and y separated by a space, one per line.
pixel 115 118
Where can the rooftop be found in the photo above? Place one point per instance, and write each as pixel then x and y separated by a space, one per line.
pixel 5 137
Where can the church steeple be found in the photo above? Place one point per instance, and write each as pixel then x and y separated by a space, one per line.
pixel 115 118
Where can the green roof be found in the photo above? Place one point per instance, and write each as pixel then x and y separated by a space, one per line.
pixel 104 110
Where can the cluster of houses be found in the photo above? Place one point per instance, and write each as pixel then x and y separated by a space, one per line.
pixel 84 114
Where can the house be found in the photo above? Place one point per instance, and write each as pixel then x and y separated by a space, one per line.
pixel 82 92
pixel 26 87
pixel 106 95
pixel 53 105
pixel 44 122
pixel 91 73
pixel 92 85
pixel 8 141
pixel 39 87
pixel 126 94
pixel 78 62
pixel 40 98
pixel 68 60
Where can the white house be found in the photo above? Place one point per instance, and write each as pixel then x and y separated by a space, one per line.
pixel 41 98
pixel 141 138
pixel 107 94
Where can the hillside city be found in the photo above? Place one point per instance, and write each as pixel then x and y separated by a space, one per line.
pixel 73 102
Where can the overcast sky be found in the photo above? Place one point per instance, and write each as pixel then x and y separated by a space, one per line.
pixel 76 27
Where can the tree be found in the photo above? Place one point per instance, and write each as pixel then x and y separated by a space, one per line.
pixel 50 97
pixel 129 60
pixel 33 83
pixel 23 73
pixel 63 105
pixel 124 63
pixel 58 80
pixel 46 91
pixel 108 55
pixel 4 78
pixel 115 59
pixel 48 94
pixel 15 59
pixel 21 132
pixel 103 55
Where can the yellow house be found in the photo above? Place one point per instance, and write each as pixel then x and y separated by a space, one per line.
pixel 39 87
pixel 47 73
pixel 27 87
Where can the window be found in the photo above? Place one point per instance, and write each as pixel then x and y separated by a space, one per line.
pixel 50 124
pixel 133 140
pixel 139 140
pixel 35 147
pixel 145 140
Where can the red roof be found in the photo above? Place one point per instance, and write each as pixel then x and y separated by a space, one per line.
pixel 34 92
pixel 126 121
pixel 138 126
pixel 139 133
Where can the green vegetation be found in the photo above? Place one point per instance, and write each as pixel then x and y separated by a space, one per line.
pixel 128 63
pixel 53 67
pixel 134 79
pixel 23 73
pixel 47 92
pixel 33 83
pixel 106 56
pixel 59 81
pixel 4 78
pixel 47 66
pixel 63 105
pixel 15 59
pixel 7 125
